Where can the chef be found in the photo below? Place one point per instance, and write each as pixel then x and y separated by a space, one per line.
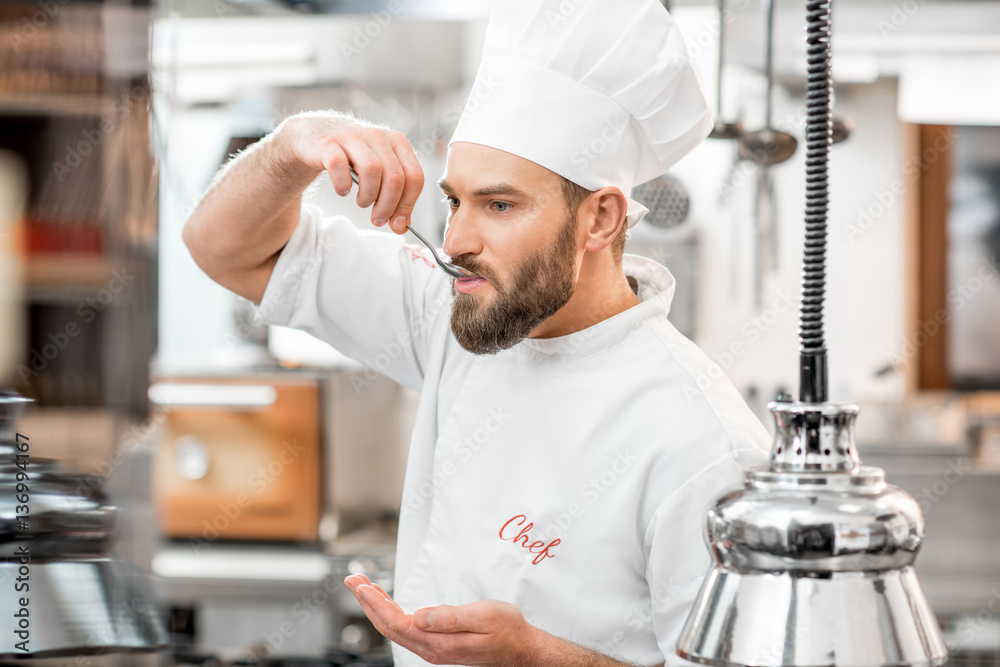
pixel 563 455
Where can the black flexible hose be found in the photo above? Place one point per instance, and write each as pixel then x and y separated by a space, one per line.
pixel 813 381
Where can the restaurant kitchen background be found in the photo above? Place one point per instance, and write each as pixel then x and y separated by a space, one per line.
pixel 250 468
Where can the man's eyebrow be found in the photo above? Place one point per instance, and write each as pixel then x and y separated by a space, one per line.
pixel 490 190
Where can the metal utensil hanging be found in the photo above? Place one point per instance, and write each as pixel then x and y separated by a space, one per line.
pixel 766 147
pixel 722 130
pixel 765 248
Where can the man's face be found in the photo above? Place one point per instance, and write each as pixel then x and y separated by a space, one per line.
pixel 509 224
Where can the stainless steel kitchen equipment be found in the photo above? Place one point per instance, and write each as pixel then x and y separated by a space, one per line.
pixel 814 555
pixel 56 569
pixel 667 200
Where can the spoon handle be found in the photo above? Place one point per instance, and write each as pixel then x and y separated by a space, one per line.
pixel 447 267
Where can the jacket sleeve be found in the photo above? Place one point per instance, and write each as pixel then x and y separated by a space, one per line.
pixel 676 548
pixel 367 293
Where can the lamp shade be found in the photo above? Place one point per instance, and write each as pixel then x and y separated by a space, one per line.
pixel 813 559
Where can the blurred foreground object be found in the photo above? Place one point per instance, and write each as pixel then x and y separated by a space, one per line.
pixel 56 533
pixel 13 193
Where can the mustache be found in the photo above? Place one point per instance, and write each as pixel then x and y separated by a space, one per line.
pixel 477 267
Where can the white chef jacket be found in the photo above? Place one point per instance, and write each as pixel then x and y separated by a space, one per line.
pixel 569 476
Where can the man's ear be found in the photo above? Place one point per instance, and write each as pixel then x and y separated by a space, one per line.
pixel 608 207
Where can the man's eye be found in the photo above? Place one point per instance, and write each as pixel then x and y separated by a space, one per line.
pixel 450 201
pixel 501 206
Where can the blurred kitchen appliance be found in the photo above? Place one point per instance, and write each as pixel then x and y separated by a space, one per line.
pixel 667 200
pixel 239 457
pixel 62 588
pixel 237 593
pixel 814 555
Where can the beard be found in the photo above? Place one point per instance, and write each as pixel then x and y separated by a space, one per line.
pixel 539 286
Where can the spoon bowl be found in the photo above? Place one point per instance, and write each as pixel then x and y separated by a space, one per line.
pixel 449 268
pixel 767 147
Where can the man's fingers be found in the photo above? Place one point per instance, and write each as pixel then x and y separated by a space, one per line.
pixel 338 169
pixel 396 622
pixel 413 184
pixel 356 580
pixel 374 617
pixel 368 166
pixel 478 617
pixel 393 177
pixel 385 595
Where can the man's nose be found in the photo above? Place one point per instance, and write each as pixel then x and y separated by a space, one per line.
pixel 460 237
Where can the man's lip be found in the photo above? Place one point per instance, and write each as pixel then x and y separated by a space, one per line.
pixel 466 285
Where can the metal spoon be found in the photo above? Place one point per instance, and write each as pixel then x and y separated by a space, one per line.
pixel 447 267
pixel 842 128
pixel 768 146
pixel 722 129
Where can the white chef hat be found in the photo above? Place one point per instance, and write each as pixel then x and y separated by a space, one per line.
pixel 599 91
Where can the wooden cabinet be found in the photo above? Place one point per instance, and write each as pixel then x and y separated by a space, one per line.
pixel 239 459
